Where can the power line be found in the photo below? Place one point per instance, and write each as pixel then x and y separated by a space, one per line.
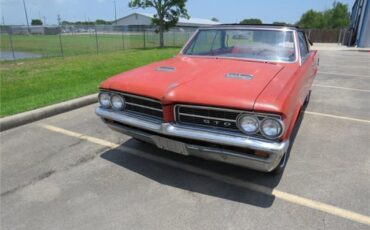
pixel 59 20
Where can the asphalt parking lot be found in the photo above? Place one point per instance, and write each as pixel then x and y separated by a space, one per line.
pixel 71 172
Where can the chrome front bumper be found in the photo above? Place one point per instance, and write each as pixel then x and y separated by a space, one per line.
pixel 147 130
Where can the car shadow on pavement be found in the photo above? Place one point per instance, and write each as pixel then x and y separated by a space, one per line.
pixel 189 180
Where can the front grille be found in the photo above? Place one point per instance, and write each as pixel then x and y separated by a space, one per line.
pixel 143 106
pixel 207 117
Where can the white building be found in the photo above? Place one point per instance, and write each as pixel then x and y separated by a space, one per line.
pixel 136 19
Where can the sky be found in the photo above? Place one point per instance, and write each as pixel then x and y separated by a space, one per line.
pixel 227 11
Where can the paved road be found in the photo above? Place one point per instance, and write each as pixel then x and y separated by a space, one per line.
pixel 71 172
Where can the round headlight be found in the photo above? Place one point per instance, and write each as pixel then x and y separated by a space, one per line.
pixel 117 102
pixel 104 99
pixel 248 124
pixel 271 128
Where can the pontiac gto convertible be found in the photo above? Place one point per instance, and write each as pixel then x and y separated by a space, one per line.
pixel 233 94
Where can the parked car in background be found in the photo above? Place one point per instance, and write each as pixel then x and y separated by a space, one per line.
pixel 233 94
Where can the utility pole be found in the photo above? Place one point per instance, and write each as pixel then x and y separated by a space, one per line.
pixel 115 11
pixel 59 20
pixel 44 20
pixel 25 12
pixel 3 20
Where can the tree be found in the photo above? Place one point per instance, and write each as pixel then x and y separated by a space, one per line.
pixel 168 13
pixel 215 19
pixel 36 22
pixel 251 21
pixel 101 22
pixel 281 23
pixel 312 19
pixel 336 17
pixel 66 23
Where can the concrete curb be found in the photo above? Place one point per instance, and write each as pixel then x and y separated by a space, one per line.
pixel 38 114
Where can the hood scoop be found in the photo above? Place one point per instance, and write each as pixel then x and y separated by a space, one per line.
pixel 165 68
pixel 239 76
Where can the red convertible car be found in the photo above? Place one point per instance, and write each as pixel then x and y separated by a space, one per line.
pixel 233 94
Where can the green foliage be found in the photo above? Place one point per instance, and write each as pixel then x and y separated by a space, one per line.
pixel 281 23
pixel 312 19
pixel 31 84
pixel 336 17
pixel 168 12
pixel 87 23
pixel 36 22
pixel 102 22
pixel 251 21
pixel 215 19
pixel 64 23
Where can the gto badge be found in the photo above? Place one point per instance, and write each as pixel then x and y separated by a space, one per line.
pixel 215 122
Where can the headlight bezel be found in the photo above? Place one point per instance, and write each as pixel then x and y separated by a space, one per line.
pixel 109 99
pixel 261 118
pixel 121 98
pixel 244 115
pixel 278 121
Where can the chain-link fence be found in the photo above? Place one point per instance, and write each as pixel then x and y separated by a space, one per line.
pixel 19 42
pixel 339 36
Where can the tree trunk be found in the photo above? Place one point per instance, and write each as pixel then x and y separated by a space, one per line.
pixel 161 37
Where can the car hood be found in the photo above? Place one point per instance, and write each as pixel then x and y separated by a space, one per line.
pixel 197 80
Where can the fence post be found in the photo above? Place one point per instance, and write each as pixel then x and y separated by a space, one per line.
pixel 344 36
pixel 60 41
pixel 96 41
pixel 123 40
pixel 11 44
pixel 144 38
pixel 350 38
pixel 174 38
pixel 339 36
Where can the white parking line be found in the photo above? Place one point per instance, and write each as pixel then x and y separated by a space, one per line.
pixel 343 74
pixel 337 117
pixel 338 87
pixel 330 209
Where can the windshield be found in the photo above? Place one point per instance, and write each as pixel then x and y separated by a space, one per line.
pixel 266 45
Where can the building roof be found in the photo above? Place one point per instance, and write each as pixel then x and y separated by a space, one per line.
pixel 200 21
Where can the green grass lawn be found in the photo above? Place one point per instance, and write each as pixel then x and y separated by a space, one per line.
pixel 49 45
pixel 30 84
